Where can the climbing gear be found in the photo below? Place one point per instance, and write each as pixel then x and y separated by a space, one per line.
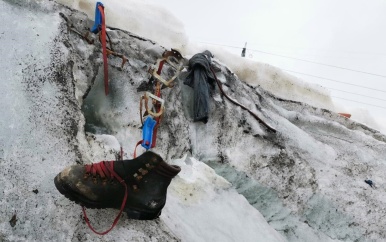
pixel 149 127
pixel 71 27
pixel 137 187
pixel 175 60
pixel 98 18
pixel 147 132
pixel 240 105
pixel 166 57
pixel 124 58
pixel 156 99
pixel 100 26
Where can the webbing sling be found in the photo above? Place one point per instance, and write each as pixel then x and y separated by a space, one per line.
pixel 104 49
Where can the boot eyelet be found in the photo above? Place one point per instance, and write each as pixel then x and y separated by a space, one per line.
pixel 154 160
pixel 135 188
pixel 143 171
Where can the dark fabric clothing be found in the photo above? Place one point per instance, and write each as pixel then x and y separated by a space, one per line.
pixel 201 95
pixel 199 78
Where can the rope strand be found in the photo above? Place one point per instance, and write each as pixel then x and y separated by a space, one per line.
pixel 240 105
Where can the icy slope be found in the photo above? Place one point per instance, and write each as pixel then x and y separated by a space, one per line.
pixel 140 17
pixel 202 206
pixel 46 73
pixel 157 23
pixel 306 179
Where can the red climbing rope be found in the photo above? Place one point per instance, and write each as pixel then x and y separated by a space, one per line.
pixel 104 49
pixel 105 170
pixel 135 149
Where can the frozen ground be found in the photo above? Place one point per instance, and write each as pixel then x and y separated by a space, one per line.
pixel 239 182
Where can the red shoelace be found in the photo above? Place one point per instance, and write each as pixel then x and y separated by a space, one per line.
pixel 105 169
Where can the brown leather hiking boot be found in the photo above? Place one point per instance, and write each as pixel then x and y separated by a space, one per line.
pixel 140 185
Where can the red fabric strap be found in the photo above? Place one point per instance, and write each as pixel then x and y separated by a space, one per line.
pixel 104 50
pixel 135 149
pixel 161 64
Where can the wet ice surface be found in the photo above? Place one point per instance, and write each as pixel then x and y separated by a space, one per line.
pixel 306 181
pixel 38 136
pixel 203 206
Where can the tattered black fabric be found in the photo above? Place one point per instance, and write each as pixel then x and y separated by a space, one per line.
pixel 199 77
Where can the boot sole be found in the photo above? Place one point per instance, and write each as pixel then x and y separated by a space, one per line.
pixel 80 200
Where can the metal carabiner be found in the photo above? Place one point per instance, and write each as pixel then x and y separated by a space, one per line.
pixel 173 53
pixel 166 57
pixel 167 83
pixel 159 100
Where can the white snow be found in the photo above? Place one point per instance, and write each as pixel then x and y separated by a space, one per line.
pixel 304 182
pixel 139 17
pixel 363 116
pixel 197 194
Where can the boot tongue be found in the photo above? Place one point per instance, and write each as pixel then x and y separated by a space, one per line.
pixel 168 170
pixel 121 169
pixel 162 167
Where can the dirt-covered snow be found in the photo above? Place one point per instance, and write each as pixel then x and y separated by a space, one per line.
pixel 239 181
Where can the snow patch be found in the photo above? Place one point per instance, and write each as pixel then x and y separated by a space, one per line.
pixel 139 17
pixel 202 207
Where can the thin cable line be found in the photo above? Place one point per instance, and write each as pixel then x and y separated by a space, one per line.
pixel 338 67
pixel 314 62
pixel 359 102
pixel 356 94
pixel 374 89
pixel 324 50
pixel 236 47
